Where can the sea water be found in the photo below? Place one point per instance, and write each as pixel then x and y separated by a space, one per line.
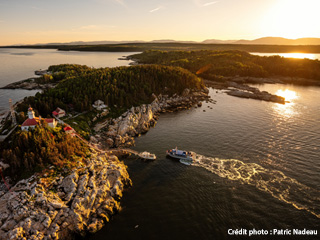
pixel 257 168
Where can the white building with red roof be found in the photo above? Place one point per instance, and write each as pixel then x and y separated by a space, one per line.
pixel 59 113
pixel 69 130
pixel 32 121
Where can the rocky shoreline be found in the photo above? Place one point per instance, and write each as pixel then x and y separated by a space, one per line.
pixel 62 206
pixel 28 84
pixel 120 132
pixel 236 86
pixel 244 91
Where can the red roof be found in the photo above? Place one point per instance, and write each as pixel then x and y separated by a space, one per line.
pixel 59 110
pixel 30 122
pixel 49 120
pixel 35 121
pixel 68 128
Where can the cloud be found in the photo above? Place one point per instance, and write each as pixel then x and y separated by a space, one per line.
pixel 201 3
pixel 209 3
pixel 156 9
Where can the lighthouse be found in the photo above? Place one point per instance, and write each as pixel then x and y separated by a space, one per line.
pixel 31 113
pixel 32 121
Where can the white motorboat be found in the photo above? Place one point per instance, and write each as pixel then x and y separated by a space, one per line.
pixel 180 154
pixel 147 156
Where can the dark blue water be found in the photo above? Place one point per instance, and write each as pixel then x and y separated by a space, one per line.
pixel 258 167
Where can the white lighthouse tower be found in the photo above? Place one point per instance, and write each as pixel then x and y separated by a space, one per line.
pixel 31 113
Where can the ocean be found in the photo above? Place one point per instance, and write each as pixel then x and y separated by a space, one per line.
pixel 258 168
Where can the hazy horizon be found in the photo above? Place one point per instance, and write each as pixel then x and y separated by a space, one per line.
pixel 35 21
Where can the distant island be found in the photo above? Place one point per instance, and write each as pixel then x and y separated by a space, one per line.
pixel 223 65
pixel 265 45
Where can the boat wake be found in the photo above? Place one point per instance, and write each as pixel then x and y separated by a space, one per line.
pixel 274 182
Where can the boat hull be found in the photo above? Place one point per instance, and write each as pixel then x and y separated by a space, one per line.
pixel 147 156
pixel 178 157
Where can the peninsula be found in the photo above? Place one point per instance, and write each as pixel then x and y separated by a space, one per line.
pixel 66 179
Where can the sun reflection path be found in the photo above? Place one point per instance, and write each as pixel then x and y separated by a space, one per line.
pixel 286 110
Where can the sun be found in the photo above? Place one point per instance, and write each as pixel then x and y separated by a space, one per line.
pixel 292 19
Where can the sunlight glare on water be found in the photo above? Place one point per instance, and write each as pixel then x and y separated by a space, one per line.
pixel 289 95
pixel 288 109
pixel 312 56
pixel 299 55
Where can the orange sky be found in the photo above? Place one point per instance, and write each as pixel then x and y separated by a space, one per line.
pixel 44 21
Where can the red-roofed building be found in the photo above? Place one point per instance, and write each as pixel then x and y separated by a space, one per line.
pixel 33 121
pixel 29 123
pixel 59 113
pixel 69 130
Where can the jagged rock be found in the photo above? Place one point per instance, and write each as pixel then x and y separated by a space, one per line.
pixel 93 139
pixel 57 205
pixel 256 94
pixel 47 215
pixel 138 120
pixel 8 225
pixel 16 233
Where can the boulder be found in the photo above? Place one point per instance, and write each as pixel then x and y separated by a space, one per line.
pixel 185 92
pixel 110 142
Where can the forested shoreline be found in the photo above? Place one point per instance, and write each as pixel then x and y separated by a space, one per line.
pixel 121 87
pixel 215 65
pixel 35 150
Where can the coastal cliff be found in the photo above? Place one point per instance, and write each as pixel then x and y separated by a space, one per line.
pixel 59 207
pixel 120 132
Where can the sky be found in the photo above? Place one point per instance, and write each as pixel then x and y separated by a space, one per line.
pixel 47 21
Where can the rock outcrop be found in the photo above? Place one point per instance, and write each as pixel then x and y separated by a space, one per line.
pixel 81 202
pixel 245 91
pixel 137 120
pixel 29 84
pixel 238 89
